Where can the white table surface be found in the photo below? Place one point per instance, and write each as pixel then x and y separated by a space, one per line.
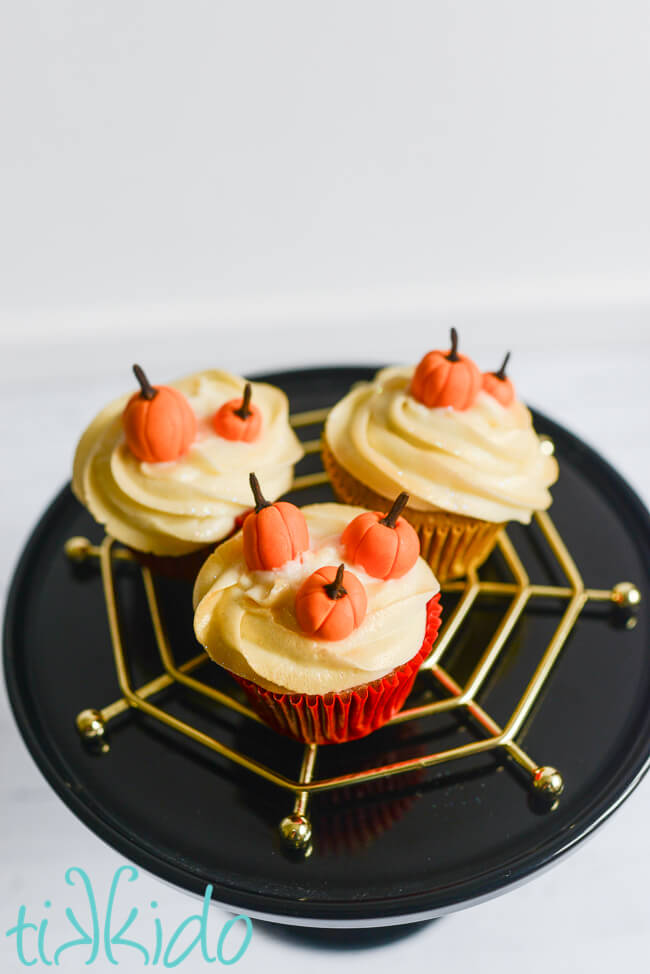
pixel 587 368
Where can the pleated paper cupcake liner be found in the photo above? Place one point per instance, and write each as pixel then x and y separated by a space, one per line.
pixel 452 544
pixel 334 718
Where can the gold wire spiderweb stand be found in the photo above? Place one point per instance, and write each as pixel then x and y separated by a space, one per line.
pixel 463 700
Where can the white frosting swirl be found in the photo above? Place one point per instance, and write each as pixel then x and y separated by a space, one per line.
pixel 175 508
pixel 246 619
pixel 484 462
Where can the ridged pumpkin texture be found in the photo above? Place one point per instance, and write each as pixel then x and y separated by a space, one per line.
pixel 238 419
pixel 159 423
pixel 498 385
pixel 384 545
pixel 331 604
pixel 273 534
pixel 446 379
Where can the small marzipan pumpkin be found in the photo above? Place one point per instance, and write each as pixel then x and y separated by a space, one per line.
pixel 273 533
pixel 331 603
pixel 384 545
pixel 238 419
pixel 446 378
pixel 159 423
pixel 498 384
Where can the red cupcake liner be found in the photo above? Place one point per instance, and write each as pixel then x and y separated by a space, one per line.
pixel 333 718
pixel 185 566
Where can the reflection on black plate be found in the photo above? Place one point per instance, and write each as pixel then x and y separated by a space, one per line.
pixel 433 841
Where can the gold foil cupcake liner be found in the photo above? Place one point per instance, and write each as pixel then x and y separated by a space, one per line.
pixel 451 543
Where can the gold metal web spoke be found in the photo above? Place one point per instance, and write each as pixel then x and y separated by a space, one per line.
pixel 296 828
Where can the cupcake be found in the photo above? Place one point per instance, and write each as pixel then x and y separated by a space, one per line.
pixel 323 614
pixel 165 469
pixel 458 440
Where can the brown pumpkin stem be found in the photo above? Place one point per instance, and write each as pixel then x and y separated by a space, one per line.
pixel 335 590
pixel 501 374
pixel 453 353
pixel 260 500
pixel 147 391
pixel 244 410
pixel 398 506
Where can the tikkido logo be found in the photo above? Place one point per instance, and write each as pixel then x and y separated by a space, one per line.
pixel 95 938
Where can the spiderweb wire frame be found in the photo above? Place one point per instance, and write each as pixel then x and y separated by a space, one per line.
pixel 460 699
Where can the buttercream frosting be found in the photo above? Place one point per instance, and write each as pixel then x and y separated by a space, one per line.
pixel 484 462
pixel 175 508
pixel 246 619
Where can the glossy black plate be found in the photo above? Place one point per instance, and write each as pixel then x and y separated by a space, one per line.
pixel 388 853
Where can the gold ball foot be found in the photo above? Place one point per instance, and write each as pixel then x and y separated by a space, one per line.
pixel 296 833
pixel 77 548
pixel 92 728
pixel 548 782
pixel 626 595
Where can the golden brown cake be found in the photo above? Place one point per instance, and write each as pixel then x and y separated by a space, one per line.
pixel 458 440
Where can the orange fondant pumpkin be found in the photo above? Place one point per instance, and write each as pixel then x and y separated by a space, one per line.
pixel 385 546
pixel 237 419
pixel 498 384
pixel 273 533
pixel 331 603
pixel 446 378
pixel 158 421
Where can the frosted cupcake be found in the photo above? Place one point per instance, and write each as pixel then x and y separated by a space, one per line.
pixel 165 470
pixel 459 441
pixel 323 614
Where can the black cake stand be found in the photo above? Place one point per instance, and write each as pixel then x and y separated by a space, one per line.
pixel 392 851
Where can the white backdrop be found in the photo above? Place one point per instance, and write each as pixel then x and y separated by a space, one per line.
pixel 200 160
pixel 258 185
